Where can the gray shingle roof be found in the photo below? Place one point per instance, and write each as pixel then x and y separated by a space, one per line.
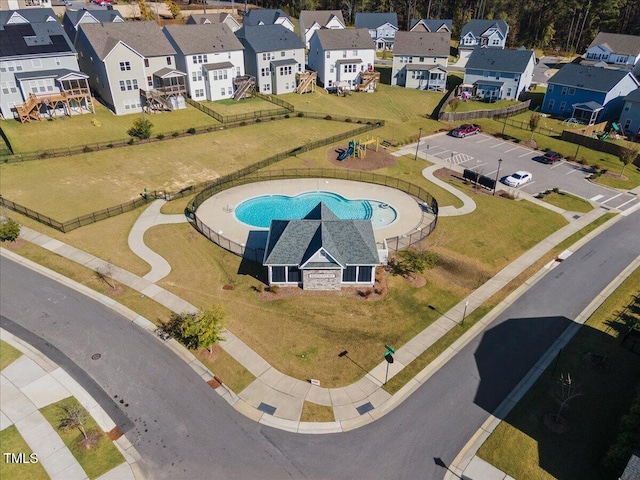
pixel 345 39
pixel 32 15
pixel 217 66
pixel 478 27
pixel 428 44
pixel 633 97
pixel 269 38
pixel 41 36
pixel 632 470
pixel 145 38
pixel 432 24
pixel 56 73
pixel 294 242
pixel 267 17
pixel 494 59
pixel 618 43
pixel 102 16
pixel 321 17
pixel 372 21
pixel 587 77
pixel 201 18
pixel 209 38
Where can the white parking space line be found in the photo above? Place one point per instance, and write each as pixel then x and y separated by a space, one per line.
pixel 511 149
pixel 596 198
pixel 497 145
pixel 609 199
pixel 627 202
pixel 524 154
pixel 570 172
pixel 556 165
pixel 484 140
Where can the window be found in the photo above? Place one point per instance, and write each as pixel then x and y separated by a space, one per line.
pixel 564 91
pixel 349 68
pixel 11 67
pixel 563 106
pixel 264 72
pixel 125 66
pixel 149 81
pixel 222 91
pixel 36 63
pixel 282 54
pixel 627 124
pixel 299 67
pixel 237 71
pixel 344 54
pixel 364 274
pixel 293 274
pixel 8 87
pixel 229 90
pixel 146 62
pixel 331 68
pixel 266 87
pixel 285 70
pixel 196 76
pixel 355 53
pixel 327 55
pixel 550 88
pixel 131 104
pixel 349 274
pixel 627 106
pixel 508 92
pixel 199 92
pixel 551 103
pixel 199 59
pixel 278 275
pixel 58 62
pixel 168 60
pixel 572 91
pixel 495 41
pixel 128 85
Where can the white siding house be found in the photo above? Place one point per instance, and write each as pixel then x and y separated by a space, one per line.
pixel 312 20
pixel 482 33
pixel 420 60
pixel 616 50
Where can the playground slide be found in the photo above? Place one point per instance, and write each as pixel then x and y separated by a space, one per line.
pixel 346 153
pixel 605 136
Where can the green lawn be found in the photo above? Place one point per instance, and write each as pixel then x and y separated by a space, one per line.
pixel 103 457
pixel 8 355
pixel 12 442
pixel 479 105
pixel 523 447
pixel 568 202
pixel 78 130
pixel 246 105
pixel 64 188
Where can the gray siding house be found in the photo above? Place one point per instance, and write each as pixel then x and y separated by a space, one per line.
pixel 630 116
pixel 131 66
pixel 73 18
pixel 420 60
pixel 431 25
pixel 214 19
pixel 259 16
pixel 482 33
pixel 273 55
pixel 616 49
pixel 321 252
pixel 381 26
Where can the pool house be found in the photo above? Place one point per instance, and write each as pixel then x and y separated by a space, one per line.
pixel 321 251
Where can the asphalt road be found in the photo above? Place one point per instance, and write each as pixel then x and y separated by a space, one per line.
pixel 184 430
pixel 481 153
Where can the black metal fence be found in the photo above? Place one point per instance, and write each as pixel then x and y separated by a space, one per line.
pixel 241 117
pixel 498 112
pixel 422 230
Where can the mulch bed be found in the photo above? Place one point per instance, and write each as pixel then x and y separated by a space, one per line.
pixel 557 424
pixel 598 362
pixel 448 175
pixel 373 160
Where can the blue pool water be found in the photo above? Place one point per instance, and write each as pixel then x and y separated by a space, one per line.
pixel 259 211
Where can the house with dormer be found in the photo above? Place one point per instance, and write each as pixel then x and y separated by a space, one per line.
pixel 273 55
pixel 342 58
pixel 482 33
pixel 73 18
pixel 214 19
pixel 312 20
pixel 616 50
pixel 38 67
pixel 420 60
pixel 211 56
pixel 321 252
pixel 499 74
pixel 589 94
pixel 431 25
pixel 259 16
pixel 131 66
pixel 382 27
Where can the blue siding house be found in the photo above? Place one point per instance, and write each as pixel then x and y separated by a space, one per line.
pixel 382 27
pixel 630 117
pixel 587 93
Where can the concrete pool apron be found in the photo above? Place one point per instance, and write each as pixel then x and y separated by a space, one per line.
pixel 217 212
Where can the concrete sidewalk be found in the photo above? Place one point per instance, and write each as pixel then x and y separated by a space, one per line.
pixel 32 382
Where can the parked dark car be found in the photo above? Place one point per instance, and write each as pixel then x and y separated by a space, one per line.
pixel 551 157
pixel 466 129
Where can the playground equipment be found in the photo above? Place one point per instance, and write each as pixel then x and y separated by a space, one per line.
pixel 616 127
pixel 358 148
pixel 348 152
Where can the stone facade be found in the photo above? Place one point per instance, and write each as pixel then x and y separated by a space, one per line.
pixel 322 279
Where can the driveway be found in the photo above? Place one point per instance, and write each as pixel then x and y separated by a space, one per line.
pixel 482 152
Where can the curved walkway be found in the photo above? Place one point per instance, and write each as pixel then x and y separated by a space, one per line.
pixel 468 205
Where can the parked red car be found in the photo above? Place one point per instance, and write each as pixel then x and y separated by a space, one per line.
pixel 551 157
pixel 466 129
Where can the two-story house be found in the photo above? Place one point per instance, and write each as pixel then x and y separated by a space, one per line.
pixel 499 74
pixel 214 19
pixel 630 116
pixel 420 60
pixel 38 67
pixel 616 50
pixel 22 4
pixel 482 33
pixel 587 93
pixel 258 16
pixel 274 55
pixel 382 27
pixel 131 66
pixel 431 25
pixel 312 20
pixel 211 55
pixel 343 58
pixel 73 18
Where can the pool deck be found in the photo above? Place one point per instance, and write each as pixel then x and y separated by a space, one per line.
pixel 218 211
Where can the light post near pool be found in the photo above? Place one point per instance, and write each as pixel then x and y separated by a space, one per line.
pixel 418 145
pixel 497 176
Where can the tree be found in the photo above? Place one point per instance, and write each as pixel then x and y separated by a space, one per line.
pixel 626 156
pixel 534 120
pixel 145 11
pixel 413 261
pixel 454 103
pixel 566 391
pixel 73 417
pixel 104 273
pixel 9 230
pixel 198 330
pixel 174 8
pixel 141 128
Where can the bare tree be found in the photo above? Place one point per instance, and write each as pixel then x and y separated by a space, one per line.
pixel 104 273
pixel 73 417
pixel 566 391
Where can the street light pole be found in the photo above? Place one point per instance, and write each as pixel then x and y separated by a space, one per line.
pixel 497 176
pixel 418 145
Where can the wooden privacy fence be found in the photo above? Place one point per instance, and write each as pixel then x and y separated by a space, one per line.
pixel 422 230
pixel 498 112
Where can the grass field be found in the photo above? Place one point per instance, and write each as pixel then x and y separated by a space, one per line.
pixel 523 447
pixel 96 461
pixel 65 188
pixel 8 354
pixel 568 202
pixel 478 105
pixel 78 130
pixel 246 105
pixel 12 442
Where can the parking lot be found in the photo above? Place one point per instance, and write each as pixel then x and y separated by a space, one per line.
pixel 481 153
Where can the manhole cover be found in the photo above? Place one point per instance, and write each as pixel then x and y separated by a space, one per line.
pixel 95 356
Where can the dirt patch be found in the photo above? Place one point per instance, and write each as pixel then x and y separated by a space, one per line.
pixel 624 178
pixel 416 281
pixel 556 423
pixel 372 161
pixel 15 245
pixel 91 441
pixel 115 290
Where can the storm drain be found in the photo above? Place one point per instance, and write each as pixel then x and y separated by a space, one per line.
pixel 266 408
pixel 362 409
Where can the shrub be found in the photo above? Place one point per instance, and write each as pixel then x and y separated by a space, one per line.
pixel 44 155
pixel 348 120
pixel 258 120
pixel 191 131
pixel 109 145
pixel 555 190
pixel 131 141
pixel 243 124
pixel 570 158
pixel 300 114
pixel 87 149
pixel 141 128
pixel 9 230
pixel 328 117
pixel 274 289
pixel 175 134
pixel 287 116
pixel 160 136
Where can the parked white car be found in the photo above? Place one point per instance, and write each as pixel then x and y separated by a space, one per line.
pixel 518 179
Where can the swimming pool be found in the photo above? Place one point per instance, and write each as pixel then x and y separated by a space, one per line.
pixel 259 211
